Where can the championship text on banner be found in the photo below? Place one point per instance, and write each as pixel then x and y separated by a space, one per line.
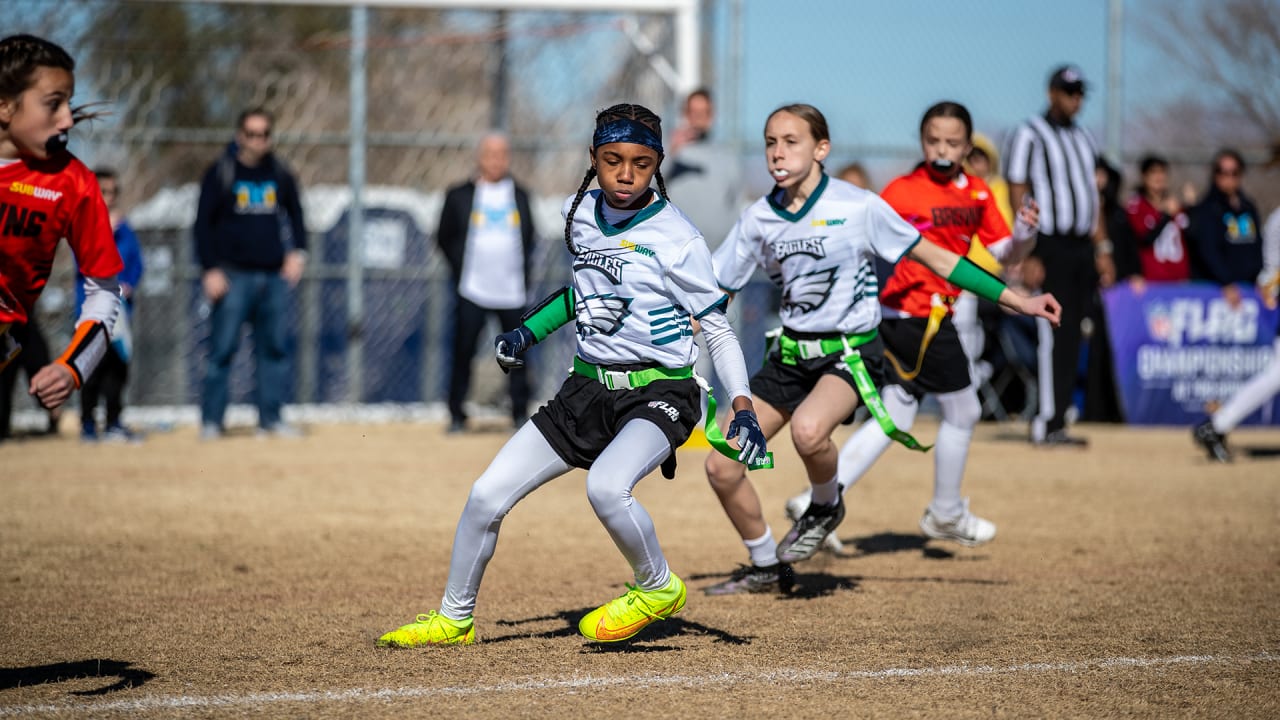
pixel 1180 349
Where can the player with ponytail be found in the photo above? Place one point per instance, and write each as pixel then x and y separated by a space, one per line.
pixel 47 194
pixel 817 237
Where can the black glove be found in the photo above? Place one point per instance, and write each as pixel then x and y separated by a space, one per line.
pixel 508 347
pixel 751 443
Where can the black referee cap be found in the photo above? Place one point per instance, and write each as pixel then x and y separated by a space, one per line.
pixel 1067 78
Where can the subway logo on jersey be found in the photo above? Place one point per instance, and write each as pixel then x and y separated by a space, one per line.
pixel 827 223
pixel 636 248
pixel 35 191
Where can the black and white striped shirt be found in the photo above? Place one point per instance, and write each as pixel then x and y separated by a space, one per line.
pixel 1057 163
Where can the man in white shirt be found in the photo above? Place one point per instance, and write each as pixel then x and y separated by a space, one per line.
pixel 486 234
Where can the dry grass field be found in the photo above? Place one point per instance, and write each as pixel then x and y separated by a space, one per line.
pixel 250 578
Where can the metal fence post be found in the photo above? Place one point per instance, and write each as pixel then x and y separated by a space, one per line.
pixel 355 211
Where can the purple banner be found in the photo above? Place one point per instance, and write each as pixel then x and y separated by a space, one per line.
pixel 1180 349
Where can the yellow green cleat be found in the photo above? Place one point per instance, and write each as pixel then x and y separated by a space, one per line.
pixel 431 629
pixel 623 617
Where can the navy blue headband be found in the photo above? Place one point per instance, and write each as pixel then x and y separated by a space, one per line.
pixel 627 131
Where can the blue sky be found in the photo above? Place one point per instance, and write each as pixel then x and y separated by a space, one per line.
pixel 874 67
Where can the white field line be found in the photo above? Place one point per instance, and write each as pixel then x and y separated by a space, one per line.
pixel 800 676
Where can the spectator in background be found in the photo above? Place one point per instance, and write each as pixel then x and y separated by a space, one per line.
pixel 705 175
pixel 1051 158
pixel 1101 397
pixel 697 117
pixel 34 355
pixel 486 234
pixel 251 243
pixel 1225 245
pixel 1157 221
pixel 1115 220
pixel 709 180
pixel 984 162
pixel 973 319
pixel 855 174
pixel 108 381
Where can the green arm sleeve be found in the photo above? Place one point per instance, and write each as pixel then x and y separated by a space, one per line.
pixel 547 316
pixel 976 280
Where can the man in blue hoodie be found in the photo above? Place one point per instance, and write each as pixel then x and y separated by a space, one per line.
pixel 1224 235
pixel 251 243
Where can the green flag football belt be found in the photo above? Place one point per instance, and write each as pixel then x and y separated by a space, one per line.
pixel 632 379
pixel 628 379
pixel 790 350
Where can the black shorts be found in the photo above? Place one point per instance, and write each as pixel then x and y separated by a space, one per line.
pixel 584 417
pixel 786 386
pixel 944 368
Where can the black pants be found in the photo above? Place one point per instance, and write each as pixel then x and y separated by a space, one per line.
pixel 106 382
pixel 1071 276
pixel 34 355
pixel 1101 396
pixel 468 322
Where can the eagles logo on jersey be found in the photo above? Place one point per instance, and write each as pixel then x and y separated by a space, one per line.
pixel 602 314
pixel 810 246
pixel 806 293
pixel 608 264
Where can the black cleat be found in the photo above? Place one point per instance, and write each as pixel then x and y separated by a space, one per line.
pixel 755 579
pixel 806 536
pixel 1060 438
pixel 1213 442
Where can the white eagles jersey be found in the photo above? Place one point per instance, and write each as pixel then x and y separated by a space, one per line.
pixel 639 286
pixel 821 257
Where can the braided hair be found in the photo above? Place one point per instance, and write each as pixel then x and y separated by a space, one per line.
pixel 625 111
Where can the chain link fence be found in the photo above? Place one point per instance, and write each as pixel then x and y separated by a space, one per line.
pixel 173 76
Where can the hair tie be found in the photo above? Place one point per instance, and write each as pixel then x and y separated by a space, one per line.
pixel 627 131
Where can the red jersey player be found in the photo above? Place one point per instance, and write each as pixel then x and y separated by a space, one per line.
pixel 949 207
pixel 47 194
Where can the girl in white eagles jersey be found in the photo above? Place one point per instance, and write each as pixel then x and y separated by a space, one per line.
pixel 816 237
pixel 641 275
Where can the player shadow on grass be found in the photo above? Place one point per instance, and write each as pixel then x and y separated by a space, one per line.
pixel 891 542
pixel 671 627
pixel 1258 452
pixel 129 677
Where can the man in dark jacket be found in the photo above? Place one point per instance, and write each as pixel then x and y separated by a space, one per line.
pixel 1224 233
pixel 486 234
pixel 251 243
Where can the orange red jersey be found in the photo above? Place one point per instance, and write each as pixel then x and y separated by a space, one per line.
pixel 948 215
pixel 42 202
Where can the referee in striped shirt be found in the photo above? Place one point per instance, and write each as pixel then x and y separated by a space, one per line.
pixel 1052 159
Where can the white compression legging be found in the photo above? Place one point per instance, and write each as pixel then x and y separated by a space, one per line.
pixel 1260 388
pixel 960 413
pixel 527 462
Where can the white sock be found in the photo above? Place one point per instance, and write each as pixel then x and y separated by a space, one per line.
pixel 826 493
pixel 865 447
pixel 1260 388
pixel 960 412
pixel 764 549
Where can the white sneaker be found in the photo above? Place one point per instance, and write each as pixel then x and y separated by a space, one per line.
pixel 967 529
pixel 281 430
pixel 796 505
